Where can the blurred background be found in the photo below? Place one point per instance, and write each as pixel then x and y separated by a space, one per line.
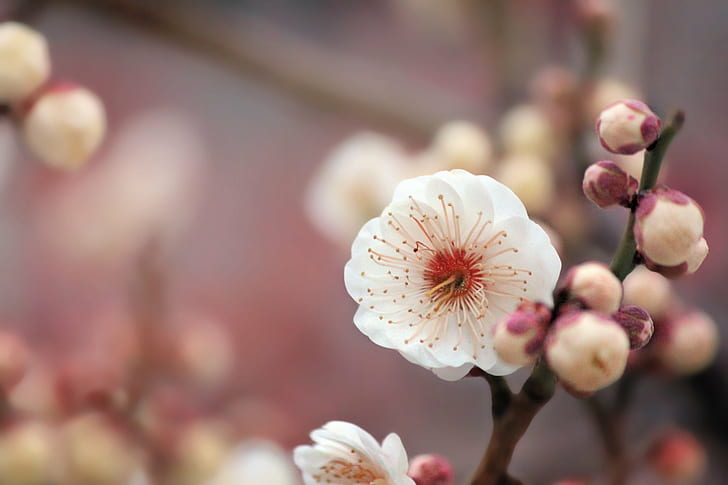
pixel 187 245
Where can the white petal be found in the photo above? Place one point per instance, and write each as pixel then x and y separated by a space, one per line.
pixel 452 373
pixel 501 369
pixel 505 203
pixel 394 449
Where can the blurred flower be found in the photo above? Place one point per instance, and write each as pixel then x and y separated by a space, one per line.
pixel 532 180
pixel 457 145
pixel 587 350
pixel 648 290
pixel 13 360
pixel 354 184
pixel 525 130
pixel 450 255
pixel 256 462
pixel 24 61
pixel 28 451
pixel 678 458
pixel 345 453
pixel 199 452
pixel 65 125
pixel 627 127
pixel 144 190
pixel 605 92
pixel 686 344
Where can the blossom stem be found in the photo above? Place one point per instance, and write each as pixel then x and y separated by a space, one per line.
pixel 624 259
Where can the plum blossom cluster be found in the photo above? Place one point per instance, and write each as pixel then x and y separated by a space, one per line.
pixel 62 123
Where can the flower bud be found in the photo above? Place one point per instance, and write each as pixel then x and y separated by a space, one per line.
pixel 648 290
pixel 518 339
pixel 687 344
pixel 200 451
pixel 27 454
pixel 587 350
pixel 24 61
pixel 594 285
pixel 637 323
pixel 431 470
pixel 678 458
pixel 13 360
pixel 461 145
pixel 65 125
pixel 627 126
pixel 531 179
pixel 606 184
pixel 669 232
pixel 525 131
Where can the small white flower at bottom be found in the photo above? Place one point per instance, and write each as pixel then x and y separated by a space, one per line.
pixel 345 454
pixel 450 255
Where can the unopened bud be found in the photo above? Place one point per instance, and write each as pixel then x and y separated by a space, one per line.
pixel 606 184
pixel 669 232
pixel 627 126
pixel 587 350
pixel 637 323
pixel 687 344
pixel 24 61
pixel 518 339
pixel 648 290
pixel 678 458
pixel 13 360
pixel 532 180
pixel 594 285
pixel 65 125
pixel 461 145
pixel 431 470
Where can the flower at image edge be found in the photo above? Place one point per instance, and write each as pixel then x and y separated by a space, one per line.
pixel 450 255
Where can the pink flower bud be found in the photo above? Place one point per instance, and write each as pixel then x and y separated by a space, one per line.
pixel 637 323
pixel 594 285
pixel 648 290
pixel 13 360
pixel 24 61
pixel 678 458
pixel 431 470
pixel 669 232
pixel 686 344
pixel 627 127
pixel 587 350
pixel 606 184
pixel 65 125
pixel 518 339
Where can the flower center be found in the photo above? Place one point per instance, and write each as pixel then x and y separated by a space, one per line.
pixel 451 274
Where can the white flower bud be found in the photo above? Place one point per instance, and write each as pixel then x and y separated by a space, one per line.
pixel 595 286
pixel 627 126
pixel 669 232
pixel 678 458
pixel 524 130
pixel 687 344
pixel 518 339
pixel 460 145
pixel 200 452
pixel 587 350
pixel 648 290
pixel 637 323
pixel 24 61
pixel 64 126
pixel 431 470
pixel 531 179
pixel 27 454
pixel 606 184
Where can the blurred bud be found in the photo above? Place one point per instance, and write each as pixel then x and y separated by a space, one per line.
pixel 669 232
pixel 627 127
pixel 96 451
pixel 594 285
pixel 648 290
pixel 354 184
pixel 256 462
pixel 637 323
pixel 65 125
pixel 13 360
pixel 678 458
pixel 686 344
pixel 556 92
pixel 531 179
pixel 431 470
pixel 24 61
pixel 93 383
pixel 35 394
pixel 596 15
pixel 27 453
pixel 518 339
pixel 606 184
pixel 525 130
pixel 604 93
pixel 200 451
pixel 460 145
pixel 202 350
pixel 587 350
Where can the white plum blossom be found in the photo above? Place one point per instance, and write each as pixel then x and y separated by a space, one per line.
pixel 450 255
pixel 256 462
pixel 345 454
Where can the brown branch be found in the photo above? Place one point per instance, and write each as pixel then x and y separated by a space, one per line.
pixel 316 76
